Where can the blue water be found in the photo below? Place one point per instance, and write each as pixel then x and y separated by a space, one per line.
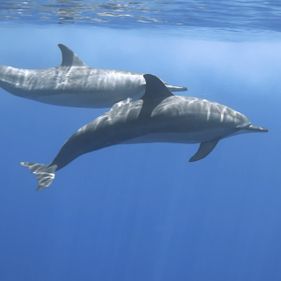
pixel 142 212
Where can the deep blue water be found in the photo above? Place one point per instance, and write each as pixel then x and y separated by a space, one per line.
pixel 142 212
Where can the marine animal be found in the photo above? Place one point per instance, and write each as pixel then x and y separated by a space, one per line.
pixel 159 116
pixel 73 83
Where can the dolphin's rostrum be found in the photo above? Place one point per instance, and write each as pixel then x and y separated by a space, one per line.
pixel 73 83
pixel 159 116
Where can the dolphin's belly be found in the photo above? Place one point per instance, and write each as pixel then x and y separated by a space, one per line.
pixel 184 137
pixel 93 98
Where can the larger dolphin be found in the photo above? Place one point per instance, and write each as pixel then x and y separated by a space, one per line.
pixel 158 117
pixel 73 83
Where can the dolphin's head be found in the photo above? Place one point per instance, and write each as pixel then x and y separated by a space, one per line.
pixel 243 125
pixel 250 128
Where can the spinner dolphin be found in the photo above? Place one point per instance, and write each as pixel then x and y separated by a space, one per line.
pixel 73 83
pixel 159 116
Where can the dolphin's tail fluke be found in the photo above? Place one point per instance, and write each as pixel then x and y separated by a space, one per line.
pixel 173 88
pixel 45 174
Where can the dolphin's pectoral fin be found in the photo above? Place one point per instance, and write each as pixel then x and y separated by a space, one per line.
pixel 69 58
pixel 204 149
pixel 155 89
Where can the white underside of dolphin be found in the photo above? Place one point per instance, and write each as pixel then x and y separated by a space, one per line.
pixel 73 83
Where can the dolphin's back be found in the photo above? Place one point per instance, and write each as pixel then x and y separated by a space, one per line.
pixel 198 111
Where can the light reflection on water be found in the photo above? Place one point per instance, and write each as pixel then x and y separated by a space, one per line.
pixel 226 15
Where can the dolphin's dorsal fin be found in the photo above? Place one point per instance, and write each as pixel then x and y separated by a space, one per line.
pixel 155 93
pixel 69 58
pixel 155 89
pixel 204 149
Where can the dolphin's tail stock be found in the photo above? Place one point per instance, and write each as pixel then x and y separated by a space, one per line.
pixel 2 68
pixel 45 174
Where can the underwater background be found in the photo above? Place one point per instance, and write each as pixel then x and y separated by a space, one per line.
pixel 142 212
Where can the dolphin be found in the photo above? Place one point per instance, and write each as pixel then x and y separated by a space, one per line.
pixel 159 116
pixel 73 83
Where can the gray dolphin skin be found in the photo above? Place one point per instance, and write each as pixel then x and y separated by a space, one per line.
pixel 159 116
pixel 73 83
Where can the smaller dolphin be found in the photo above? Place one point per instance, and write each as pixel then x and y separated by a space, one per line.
pixel 73 83
pixel 158 117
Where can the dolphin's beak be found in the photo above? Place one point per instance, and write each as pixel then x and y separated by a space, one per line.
pixel 254 128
